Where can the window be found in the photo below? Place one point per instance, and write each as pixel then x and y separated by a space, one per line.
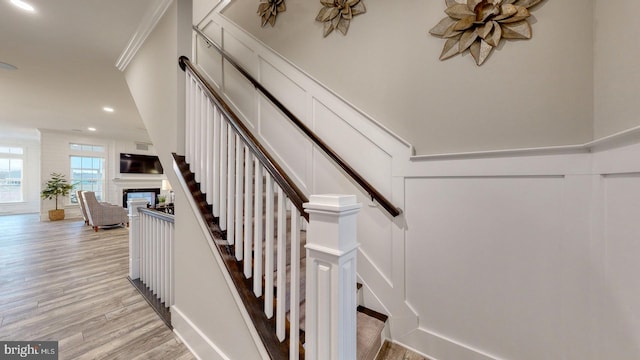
pixel 11 164
pixel 85 147
pixel 11 150
pixel 87 173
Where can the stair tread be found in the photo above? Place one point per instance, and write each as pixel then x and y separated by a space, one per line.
pixel 369 336
pixel 380 316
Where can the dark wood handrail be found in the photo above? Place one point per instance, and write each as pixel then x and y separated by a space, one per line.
pixel 297 197
pixel 368 188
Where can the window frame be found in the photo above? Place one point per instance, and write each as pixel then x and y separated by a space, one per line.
pixel 11 155
pixel 87 151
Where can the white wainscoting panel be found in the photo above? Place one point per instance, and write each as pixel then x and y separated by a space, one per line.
pixel 372 162
pixel 213 30
pixel 374 227
pixel 621 292
pixel 240 52
pixel 241 95
pixel 483 261
pixel 286 142
pixel 618 160
pixel 209 60
pixel 284 89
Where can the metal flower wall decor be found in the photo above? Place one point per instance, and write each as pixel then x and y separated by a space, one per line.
pixel 337 14
pixel 269 10
pixel 479 25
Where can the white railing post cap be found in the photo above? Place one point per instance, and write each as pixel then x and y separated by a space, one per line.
pixel 332 203
pixel 134 204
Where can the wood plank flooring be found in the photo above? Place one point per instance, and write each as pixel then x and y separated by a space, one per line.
pixel 61 281
pixel 393 351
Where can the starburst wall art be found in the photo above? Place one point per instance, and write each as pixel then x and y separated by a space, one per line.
pixel 337 14
pixel 269 10
pixel 480 25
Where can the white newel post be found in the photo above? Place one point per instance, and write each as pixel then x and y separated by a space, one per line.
pixel 134 236
pixel 332 248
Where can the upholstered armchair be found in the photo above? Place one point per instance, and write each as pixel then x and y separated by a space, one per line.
pixel 83 209
pixel 103 214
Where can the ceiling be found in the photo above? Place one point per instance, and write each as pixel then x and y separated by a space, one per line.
pixel 65 53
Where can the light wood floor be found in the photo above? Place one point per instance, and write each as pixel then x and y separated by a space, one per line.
pixel 392 351
pixel 61 281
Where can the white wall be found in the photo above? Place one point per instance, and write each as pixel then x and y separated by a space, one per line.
pixel 55 158
pixel 205 314
pixel 31 172
pixel 616 66
pixel 525 257
pixel 531 93
pixel 55 153
pixel 513 255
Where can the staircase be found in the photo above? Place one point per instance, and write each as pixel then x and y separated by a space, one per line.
pixel 370 324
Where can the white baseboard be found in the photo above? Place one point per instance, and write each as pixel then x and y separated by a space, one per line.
pixel 194 339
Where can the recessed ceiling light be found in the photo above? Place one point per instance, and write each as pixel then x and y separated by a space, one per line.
pixel 23 5
pixel 108 109
pixel 91 129
pixel 7 66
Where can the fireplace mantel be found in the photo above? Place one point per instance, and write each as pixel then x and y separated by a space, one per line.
pixel 136 179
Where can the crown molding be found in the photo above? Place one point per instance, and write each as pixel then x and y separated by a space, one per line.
pixel 147 24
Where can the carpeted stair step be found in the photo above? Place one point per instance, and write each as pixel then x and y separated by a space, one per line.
pixel 369 333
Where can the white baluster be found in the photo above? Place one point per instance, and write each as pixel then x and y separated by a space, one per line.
pixel 231 187
pixel 165 262
pixel 222 179
pixel 331 269
pixel 145 251
pixel 257 234
pixel 215 188
pixel 147 246
pixel 188 118
pixel 156 256
pixel 160 245
pixel 269 253
pixel 238 196
pixel 143 248
pixel 201 114
pixel 294 308
pixel 281 267
pixel 148 280
pixel 207 133
pixel 195 166
pixel 171 296
pixel 248 213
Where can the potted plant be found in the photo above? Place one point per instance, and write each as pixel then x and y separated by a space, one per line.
pixel 56 186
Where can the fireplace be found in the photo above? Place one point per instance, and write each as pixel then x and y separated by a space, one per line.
pixel 149 194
